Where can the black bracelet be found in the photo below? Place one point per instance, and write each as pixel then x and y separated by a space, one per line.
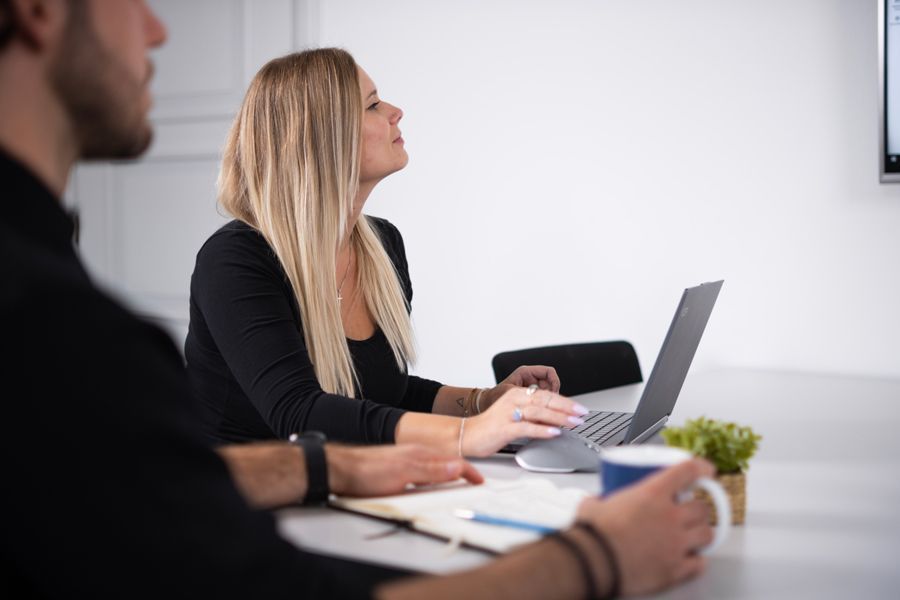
pixel 603 542
pixel 582 562
pixel 313 444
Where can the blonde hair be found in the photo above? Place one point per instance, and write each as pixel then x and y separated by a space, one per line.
pixel 290 170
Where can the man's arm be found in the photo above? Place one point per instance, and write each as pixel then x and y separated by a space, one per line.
pixel 267 474
pixel 542 570
pixel 653 538
pixel 272 474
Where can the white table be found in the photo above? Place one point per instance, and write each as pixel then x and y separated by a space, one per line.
pixel 823 492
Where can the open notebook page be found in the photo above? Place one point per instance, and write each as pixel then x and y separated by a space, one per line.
pixel 431 510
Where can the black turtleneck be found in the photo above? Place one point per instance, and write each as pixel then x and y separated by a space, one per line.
pixel 109 489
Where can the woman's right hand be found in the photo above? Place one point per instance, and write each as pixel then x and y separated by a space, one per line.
pixel 654 537
pixel 519 413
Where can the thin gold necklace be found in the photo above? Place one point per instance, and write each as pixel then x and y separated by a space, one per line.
pixel 344 278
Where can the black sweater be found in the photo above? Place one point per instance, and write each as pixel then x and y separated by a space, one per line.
pixel 109 488
pixel 248 362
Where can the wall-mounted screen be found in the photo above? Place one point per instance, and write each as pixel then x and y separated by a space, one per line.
pixel 889 88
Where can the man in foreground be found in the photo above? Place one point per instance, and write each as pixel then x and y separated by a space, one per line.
pixel 109 489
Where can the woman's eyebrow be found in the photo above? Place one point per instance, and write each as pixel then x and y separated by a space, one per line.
pixel 372 93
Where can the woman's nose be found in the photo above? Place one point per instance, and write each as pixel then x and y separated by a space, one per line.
pixel 396 115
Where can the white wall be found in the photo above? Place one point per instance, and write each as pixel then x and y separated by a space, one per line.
pixel 576 164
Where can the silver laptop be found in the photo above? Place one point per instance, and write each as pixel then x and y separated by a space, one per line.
pixel 577 448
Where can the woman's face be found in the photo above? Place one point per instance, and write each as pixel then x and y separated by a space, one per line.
pixel 382 147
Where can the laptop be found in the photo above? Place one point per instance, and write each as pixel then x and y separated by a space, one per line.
pixel 578 448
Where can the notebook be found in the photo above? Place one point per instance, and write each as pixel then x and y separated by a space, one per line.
pixel 432 510
pixel 577 448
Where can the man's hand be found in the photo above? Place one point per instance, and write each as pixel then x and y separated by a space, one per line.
pixel 655 538
pixel 385 470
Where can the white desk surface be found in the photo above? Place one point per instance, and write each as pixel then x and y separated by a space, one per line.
pixel 823 492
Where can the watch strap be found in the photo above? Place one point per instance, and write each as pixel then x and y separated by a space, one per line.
pixel 313 444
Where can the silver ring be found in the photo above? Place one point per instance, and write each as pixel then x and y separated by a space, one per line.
pixel 517 415
pixel 531 389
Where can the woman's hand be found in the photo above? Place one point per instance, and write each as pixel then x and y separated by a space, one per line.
pixel 519 413
pixel 654 537
pixel 545 378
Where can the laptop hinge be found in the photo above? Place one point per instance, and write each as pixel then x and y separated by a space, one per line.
pixel 650 431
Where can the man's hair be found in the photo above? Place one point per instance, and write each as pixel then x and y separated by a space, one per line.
pixel 6 23
pixel 291 170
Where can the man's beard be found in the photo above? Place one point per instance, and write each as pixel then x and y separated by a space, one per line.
pixel 102 99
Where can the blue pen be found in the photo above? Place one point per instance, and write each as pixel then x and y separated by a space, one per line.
pixel 471 515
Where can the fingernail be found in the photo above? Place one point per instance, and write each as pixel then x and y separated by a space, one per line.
pixel 580 409
pixel 576 420
pixel 554 430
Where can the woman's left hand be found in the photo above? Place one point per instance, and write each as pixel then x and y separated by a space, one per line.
pixel 543 377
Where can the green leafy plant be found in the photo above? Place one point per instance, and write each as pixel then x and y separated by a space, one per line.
pixel 728 446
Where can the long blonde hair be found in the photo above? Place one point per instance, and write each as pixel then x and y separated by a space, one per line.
pixel 290 170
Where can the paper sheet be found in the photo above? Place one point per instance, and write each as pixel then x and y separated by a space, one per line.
pixel 431 511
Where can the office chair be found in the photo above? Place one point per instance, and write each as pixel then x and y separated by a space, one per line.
pixel 582 368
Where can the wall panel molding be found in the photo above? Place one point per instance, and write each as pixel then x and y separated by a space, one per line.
pixel 188 140
pixel 307 24
pixel 214 49
pixel 201 67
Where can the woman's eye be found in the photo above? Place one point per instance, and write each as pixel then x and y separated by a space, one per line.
pixel 374 105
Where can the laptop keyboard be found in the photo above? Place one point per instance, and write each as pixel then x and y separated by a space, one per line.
pixel 600 426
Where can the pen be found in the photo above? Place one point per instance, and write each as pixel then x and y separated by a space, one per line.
pixel 471 515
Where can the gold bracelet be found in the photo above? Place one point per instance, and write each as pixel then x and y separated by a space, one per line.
pixel 462 429
pixel 467 403
pixel 478 401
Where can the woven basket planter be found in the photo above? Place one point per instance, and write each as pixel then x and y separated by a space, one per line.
pixel 735 485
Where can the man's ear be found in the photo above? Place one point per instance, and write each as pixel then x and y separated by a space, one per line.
pixel 37 23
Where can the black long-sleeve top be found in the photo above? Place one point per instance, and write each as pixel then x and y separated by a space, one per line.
pixel 110 490
pixel 247 359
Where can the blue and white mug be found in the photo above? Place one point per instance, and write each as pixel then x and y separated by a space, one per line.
pixel 621 466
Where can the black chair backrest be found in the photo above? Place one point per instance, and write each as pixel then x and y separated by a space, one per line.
pixel 582 368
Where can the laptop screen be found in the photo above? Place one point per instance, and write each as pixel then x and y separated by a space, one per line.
pixel 675 356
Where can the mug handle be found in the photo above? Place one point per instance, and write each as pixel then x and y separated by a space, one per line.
pixel 723 511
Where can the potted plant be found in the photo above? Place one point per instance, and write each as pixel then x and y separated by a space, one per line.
pixel 728 446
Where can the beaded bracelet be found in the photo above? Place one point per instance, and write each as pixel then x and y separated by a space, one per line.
pixel 606 547
pixel 586 574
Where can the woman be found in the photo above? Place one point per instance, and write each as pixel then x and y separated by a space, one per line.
pixel 300 306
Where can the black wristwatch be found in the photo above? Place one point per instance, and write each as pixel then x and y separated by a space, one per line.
pixel 313 444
